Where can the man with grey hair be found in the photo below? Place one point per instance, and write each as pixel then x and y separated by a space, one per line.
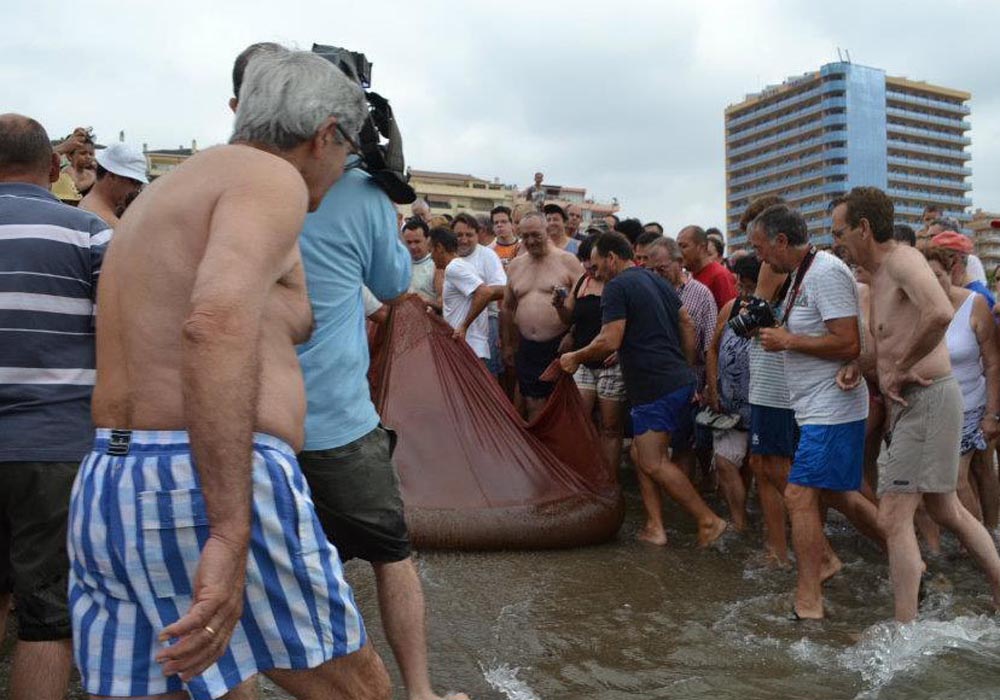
pixel 421 209
pixel 820 333
pixel 197 557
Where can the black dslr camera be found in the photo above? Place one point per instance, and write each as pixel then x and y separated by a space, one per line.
pixel 756 314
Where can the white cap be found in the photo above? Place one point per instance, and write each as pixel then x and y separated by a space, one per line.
pixel 124 160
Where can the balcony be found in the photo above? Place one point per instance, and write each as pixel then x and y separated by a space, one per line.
pixel 953 153
pixel 959 185
pixel 918 212
pixel 824 105
pixel 958 124
pixel 819 173
pixel 747 117
pixel 794 148
pixel 929 196
pixel 787 165
pixel 909 98
pixel 824 123
pixel 904 162
pixel 792 196
pixel 927 134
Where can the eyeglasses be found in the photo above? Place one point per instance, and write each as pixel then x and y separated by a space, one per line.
pixel 347 137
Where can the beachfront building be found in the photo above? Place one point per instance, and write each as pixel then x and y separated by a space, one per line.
pixel 162 161
pixel 591 209
pixel 450 193
pixel 815 136
pixel 986 238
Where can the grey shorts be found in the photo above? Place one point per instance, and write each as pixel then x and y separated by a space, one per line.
pixel 924 442
pixel 356 492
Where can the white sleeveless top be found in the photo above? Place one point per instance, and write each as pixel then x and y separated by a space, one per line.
pixel 966 360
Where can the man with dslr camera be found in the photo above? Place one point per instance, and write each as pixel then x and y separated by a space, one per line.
pixel 819 330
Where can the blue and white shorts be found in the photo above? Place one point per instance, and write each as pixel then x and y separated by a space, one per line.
pixel 137 524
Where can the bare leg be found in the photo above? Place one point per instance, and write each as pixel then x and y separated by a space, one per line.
pixel 733 490
pixel 4 610
pixel 587 397
pixel 611 430
pixel 873 445
pixel 895 517
pixel 41 670
pixel 947 510
pixel 984 475
pixel 358 676
pixel 928 529
pixel 533 406
pixel 401 602
pixel 965 493
pixel 653 461
pixel 808 541
pixel 859 510
pixel 652 531
pixel 772 476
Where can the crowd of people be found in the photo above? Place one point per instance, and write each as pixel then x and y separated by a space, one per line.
pixel 214 334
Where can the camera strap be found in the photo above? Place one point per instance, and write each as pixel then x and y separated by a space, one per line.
pixel 800 275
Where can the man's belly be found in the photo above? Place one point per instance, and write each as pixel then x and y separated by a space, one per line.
pixel 537 319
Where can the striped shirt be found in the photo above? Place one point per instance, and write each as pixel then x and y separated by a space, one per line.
pixel 50 258
pixel 698 301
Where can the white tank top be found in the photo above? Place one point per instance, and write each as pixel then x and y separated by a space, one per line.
pixel 966 360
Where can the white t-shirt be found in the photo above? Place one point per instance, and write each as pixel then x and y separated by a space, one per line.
pixel 828 292
pixel 974 267
pixel 422 278
pixel 370 301
pixel 460 282
pixel 488 266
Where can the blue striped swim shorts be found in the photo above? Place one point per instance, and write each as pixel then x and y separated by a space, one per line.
pixel 137 523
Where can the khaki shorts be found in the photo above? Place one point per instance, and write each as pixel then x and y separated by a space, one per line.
pixel 731 445
pixel 924 441
pixel 606 381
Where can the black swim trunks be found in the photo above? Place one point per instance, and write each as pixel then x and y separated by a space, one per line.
pixel 355 489
pixel 533 358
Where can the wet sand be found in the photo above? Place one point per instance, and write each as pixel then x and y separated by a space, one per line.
pixel 627 620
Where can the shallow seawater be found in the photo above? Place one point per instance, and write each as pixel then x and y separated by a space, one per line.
pixel 627 620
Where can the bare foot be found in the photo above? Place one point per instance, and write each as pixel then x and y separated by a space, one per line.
pixel 446 696
pixel 807 612
pixel 773 561
pixel 708 535
pixel 651 535
pixel 831 567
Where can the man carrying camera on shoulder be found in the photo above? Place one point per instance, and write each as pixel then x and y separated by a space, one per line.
pixel 819 331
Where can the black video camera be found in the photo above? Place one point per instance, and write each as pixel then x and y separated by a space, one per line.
pixel 756 314
pixel 384 162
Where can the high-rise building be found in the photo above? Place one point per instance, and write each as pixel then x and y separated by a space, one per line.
pixel 815 136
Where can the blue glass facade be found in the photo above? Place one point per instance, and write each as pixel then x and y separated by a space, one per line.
pixel 815 136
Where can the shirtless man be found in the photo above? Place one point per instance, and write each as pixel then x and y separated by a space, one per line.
pixel 192 504
pixel 121 173
pixel 530 322
pixel 910 314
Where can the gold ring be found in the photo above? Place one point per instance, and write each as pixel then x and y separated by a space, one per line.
pixel 210 630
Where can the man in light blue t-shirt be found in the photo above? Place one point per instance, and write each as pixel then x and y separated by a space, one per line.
pixel 820 332
pixel 350 241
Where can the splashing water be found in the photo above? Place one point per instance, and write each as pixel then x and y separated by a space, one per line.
pixel 504 679
pixel 888 648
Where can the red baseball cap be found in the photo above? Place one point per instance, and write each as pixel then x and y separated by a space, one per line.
pixel 952 241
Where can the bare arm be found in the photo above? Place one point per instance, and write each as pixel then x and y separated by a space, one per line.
pixel 251 244
pixel 934 309
pixel 508 329
pixel 689 337
pixel 480 300
pixel 712 357
pixel 606 342
pixel 985 329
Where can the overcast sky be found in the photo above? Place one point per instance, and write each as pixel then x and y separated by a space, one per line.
pixel 623 98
